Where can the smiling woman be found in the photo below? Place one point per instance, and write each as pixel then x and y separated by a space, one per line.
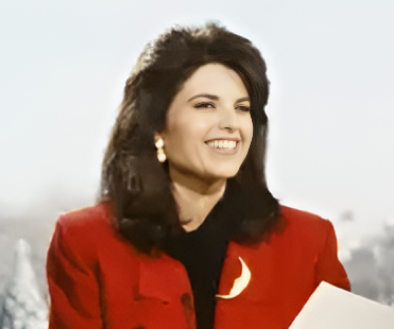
pixel 207 136
pixel 185 233
pixel 197 122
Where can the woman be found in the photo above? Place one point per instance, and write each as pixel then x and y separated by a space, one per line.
pixel 186 233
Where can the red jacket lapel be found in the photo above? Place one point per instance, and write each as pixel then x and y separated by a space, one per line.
pixel 163 277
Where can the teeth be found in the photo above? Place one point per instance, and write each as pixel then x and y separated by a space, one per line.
pixel 223 144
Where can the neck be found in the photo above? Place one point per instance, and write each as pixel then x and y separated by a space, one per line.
pixel 195 197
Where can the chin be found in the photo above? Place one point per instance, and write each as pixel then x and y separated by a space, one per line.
pixel 224 172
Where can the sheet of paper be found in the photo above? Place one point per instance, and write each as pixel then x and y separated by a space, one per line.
pixel 332 308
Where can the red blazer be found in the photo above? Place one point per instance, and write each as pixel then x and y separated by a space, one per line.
pixel 98 280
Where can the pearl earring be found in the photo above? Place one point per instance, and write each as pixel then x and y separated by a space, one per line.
pixel 161 156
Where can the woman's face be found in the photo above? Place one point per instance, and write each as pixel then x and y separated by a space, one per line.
pixel 209 127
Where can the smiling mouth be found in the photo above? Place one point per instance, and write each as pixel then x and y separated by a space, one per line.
pixel 223 144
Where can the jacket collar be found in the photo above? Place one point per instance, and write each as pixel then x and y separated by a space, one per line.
pixel 162 277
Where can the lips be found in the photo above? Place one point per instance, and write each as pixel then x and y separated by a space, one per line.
pixel 224 145
pixel 224 139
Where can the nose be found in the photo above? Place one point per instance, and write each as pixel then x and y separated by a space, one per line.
pixel 228 119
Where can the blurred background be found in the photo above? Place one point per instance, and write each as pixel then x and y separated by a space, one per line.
pixel 63 65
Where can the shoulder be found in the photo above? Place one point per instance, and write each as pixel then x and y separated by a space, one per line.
pixel 84 220
pixel 297 219
pixel 304 227
pixel 86 231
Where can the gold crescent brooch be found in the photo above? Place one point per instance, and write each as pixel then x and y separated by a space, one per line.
pixel 240 283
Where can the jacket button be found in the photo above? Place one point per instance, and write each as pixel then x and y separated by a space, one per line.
pixel 188 309
pixel 186 301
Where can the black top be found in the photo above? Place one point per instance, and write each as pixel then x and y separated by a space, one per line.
pixel 202 252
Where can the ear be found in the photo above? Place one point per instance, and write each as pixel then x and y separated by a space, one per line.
pixel 158 136
pixel 159 141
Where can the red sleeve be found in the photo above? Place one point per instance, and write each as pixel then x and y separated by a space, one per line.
pixel 328 267
pixel 73 286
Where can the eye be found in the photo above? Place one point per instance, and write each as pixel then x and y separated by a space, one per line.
pixel 243 108
pixel 203 105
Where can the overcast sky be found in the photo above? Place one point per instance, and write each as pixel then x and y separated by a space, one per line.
pixel 331 66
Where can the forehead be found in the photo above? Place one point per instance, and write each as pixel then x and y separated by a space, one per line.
pixel 214 78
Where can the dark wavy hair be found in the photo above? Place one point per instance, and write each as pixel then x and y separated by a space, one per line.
pixel 135 184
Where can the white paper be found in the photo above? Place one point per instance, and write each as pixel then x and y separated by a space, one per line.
pixel 332 308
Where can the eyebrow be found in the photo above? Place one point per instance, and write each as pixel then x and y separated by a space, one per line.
pixel 216 98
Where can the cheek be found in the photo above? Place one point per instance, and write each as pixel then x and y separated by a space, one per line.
pixel 247 137
pixel 182 142
pixel 248 130
pixel 187 130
